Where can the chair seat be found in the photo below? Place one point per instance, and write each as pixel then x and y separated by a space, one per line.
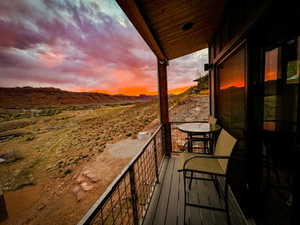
pixel 208 165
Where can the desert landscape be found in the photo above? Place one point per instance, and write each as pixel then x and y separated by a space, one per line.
pixel 57 157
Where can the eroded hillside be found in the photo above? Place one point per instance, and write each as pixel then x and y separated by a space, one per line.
pixel 45 155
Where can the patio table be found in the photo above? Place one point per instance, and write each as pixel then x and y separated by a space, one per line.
pixel 206 130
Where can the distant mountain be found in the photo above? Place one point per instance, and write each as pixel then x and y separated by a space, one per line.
pixel 29 97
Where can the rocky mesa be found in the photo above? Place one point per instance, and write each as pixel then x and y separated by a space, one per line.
pixel 29 97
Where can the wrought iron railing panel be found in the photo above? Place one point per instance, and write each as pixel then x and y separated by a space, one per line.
pixel 127 199
pixel 117 208
pixel 158 144
pixel 145 178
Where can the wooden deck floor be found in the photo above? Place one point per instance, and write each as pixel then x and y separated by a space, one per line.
pixel 167 204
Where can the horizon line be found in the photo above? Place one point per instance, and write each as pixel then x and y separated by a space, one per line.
pixel 130 91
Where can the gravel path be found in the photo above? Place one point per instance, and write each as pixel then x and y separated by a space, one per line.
pixel 193 108
pixel 127 148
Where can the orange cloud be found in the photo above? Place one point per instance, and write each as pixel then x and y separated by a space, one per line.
pixel 100 91
pixel 95 91
pixel 271 65
pixel 236 84
pixel 271 75
pixel 134 91
pixel 177 91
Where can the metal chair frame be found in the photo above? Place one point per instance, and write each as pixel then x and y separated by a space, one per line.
pixel 214 179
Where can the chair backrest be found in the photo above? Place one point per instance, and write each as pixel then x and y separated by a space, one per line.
pixel 224 147
pixel 212 120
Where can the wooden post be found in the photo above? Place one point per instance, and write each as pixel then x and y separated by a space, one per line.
pixel 133 196
pixel 164 106
pixel 3 210
pixel 155 160
pixel 211 82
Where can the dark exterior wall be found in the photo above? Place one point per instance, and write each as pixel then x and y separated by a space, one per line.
pixel 230 105
pixel 262 25
pixel 238 16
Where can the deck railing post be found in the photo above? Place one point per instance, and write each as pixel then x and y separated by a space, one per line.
pixel 155 159
pixel 164 106
pixel 3 209
pixel 133 195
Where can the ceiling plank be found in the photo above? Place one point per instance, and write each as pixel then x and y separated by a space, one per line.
pixel 133 13
pixel 161 24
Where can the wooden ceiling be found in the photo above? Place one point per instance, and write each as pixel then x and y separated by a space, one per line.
pixel 160 23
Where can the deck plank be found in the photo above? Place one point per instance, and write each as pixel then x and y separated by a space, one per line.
pixel 180 196
pixel 194 215
pixel 167 206
pixel 161 211
pixel 155 198
pixel 173 199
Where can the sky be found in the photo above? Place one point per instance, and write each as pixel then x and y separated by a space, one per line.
pixel 82 45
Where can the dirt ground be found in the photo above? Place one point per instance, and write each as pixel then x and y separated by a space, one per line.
pixel 48 162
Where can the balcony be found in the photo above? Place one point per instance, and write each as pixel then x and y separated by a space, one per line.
pixel 150 191
pixel 151 187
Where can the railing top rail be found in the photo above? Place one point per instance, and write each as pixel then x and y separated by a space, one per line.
pixel 92 212
pixel 199 121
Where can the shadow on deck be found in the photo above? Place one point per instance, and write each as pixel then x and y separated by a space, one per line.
pixel 167 205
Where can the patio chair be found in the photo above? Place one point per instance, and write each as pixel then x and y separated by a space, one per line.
pixel 278 173
pixel 213 165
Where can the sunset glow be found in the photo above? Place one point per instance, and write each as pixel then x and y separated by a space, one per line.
pixel 177 91
pixel 235 84
pixel 132 91
pixel 271 65
pixel 82 46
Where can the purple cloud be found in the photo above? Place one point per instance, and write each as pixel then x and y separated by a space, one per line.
pixel 75 44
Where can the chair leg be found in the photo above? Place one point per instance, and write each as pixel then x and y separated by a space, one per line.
pixel 190 143
pixel 185 147
pixel 226 203
pixel 184 184
pixel 216 183
pixel 204 146
pixel 191 179
pixel 210 148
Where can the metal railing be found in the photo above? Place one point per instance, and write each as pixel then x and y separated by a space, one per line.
pixel 127 199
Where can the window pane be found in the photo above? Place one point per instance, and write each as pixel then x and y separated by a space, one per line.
pixel 271 99
pixel 231 93
pixel 281 84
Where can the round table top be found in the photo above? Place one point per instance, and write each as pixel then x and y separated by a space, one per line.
pixel 198 127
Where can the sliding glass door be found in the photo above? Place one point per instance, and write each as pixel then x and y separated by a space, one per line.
pixel 230 111
pixel 280 131
pixel 230 93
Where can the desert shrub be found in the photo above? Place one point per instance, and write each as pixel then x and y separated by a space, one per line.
pixel 50 112
pixel 12 125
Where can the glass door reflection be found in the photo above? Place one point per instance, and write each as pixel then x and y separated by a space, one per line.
pixel 281 91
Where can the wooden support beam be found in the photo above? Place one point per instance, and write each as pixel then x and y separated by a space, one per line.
pixel 164 106
pixel 133 13
pixel 211 82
